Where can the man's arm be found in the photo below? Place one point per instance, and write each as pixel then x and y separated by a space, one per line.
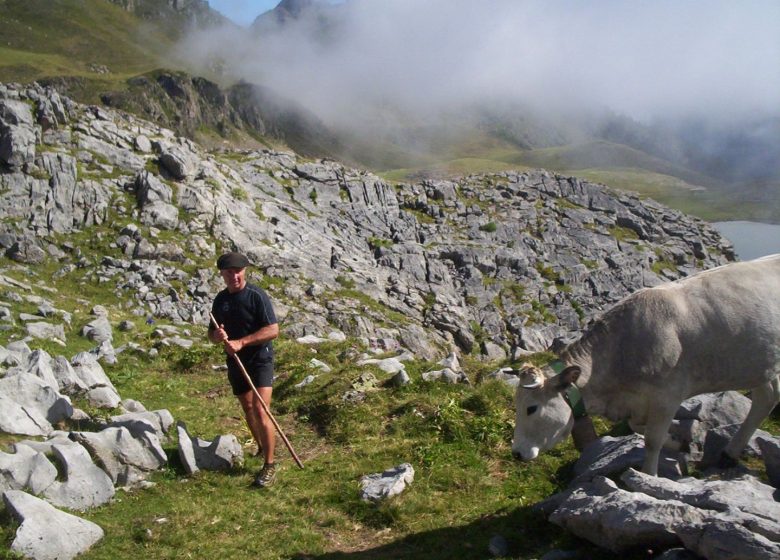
pixel 265 334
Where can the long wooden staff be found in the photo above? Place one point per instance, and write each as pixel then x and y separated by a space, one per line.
pixel 262 402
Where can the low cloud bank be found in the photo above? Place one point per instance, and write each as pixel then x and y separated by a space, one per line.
pixel 713 60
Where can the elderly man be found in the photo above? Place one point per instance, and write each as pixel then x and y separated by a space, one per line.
pixel 247 325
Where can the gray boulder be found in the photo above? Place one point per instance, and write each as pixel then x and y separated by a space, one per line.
pixel 713 518
pixel 67 380
pixel 126 459
pixel 105 352
pixel 717 439
pixel 157 422
pixel 223 453
pixel 26 251
pixel 160 214
pixel 446 375
pixel 177 162
pixel 85 485
pixel 610 455
pixel 617 520
pixel 98 329
pixel 770 451
pixel 388 365
pixel 40 364
pixel 90 372
pixel 393 481
pixel 743 498
pixel 699 414
pixel 46 331
pixel 722 540
pixel 26 469
pixel 103 397
pixel 45 533
pixel 29 406
pixel 17 133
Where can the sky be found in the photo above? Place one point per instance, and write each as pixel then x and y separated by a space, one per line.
pixel 242 12
pixel 639 57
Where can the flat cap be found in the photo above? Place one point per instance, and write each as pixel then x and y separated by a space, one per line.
pixel 232 260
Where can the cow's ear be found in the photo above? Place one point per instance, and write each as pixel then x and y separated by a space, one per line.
pixel 568 376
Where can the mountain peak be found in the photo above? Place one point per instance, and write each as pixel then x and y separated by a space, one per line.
pixel 288 11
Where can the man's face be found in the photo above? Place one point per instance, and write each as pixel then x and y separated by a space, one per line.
pixel 234 279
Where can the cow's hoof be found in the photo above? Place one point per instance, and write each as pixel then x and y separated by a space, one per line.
pixel 727 461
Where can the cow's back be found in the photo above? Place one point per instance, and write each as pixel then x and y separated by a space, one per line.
pixel 718 330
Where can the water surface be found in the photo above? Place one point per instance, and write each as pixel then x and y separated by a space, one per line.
pixel 751 239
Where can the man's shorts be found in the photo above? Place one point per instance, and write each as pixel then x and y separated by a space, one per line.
pixel 262 375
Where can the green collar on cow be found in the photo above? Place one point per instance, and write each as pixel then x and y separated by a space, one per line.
pixel 573 398
pixel 572 395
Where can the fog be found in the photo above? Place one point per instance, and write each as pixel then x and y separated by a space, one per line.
pixel 640 58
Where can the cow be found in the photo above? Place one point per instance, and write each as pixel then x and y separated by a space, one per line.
pixel 717 330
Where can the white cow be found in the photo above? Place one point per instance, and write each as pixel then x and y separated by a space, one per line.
pixel 718 330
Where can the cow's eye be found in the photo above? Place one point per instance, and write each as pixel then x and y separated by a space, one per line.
pixel 531 409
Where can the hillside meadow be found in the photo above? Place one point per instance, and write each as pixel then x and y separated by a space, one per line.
pixel 467 487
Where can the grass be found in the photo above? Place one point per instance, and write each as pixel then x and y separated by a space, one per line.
pixel 467 487
pixel 616 166
pixel 87 35
pixel 455 437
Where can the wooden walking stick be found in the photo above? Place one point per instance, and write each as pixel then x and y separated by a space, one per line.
pixel 262 402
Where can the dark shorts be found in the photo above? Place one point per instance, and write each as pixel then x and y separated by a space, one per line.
pixel 262 375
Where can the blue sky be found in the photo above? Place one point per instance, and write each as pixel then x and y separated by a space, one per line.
pixel 242 12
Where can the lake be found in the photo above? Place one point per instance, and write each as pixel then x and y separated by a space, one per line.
pixel 751 239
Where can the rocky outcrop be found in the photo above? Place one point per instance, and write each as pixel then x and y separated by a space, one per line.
pixel 181 12
pixel 190 104
pixel 716 520
pixel 503 264
pixel 728 514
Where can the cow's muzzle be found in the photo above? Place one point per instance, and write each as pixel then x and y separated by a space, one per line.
pixel 532 454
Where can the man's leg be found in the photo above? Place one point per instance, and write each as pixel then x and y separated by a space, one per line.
pixel 267 430
pixel 258 421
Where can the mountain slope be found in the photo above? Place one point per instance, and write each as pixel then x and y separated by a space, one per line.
pixel 78 38
pixel 100 207
pixel 112 52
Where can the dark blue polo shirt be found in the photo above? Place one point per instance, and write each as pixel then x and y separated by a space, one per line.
pixel 244 313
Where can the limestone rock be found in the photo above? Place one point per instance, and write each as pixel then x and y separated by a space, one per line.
pixel 45 533
pixel 770 451
pixel 379 486
pixel 85 485
pixel 126 459
pixel 223 453
pixel 26 469
pixel 29 406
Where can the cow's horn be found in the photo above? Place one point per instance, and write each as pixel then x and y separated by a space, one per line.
pixel 538 380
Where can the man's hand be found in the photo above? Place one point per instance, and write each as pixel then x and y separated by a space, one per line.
pixel 219 335
pixel 233 346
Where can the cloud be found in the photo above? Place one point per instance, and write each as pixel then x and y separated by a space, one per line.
pixel 640 58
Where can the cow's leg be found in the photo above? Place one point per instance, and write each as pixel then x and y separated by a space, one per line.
pixel 764 398
pixel 656 432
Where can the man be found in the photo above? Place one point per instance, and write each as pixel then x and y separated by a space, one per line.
pixel 247 325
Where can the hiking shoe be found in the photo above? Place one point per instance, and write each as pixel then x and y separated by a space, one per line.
pixel 265 477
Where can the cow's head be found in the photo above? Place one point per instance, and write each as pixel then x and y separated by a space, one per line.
pixel 542 416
